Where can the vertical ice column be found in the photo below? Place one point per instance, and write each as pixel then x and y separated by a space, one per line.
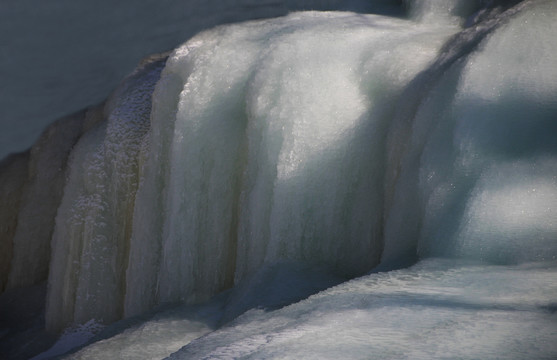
pixel 29 213
pixel 93 226
pixel 183 245
pixel 41 197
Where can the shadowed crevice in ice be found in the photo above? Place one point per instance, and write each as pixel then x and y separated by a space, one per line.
pixel 22 332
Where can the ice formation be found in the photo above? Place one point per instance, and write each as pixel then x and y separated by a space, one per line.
pixel 273 159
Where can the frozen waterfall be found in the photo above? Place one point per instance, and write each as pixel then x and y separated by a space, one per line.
pixel 262 162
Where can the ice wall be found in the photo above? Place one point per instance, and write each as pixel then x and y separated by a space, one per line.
pixel 332 140
pixel 284 151
pixel 478 178
pixel 273 153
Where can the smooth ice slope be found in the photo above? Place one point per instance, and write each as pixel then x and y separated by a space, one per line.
pixel 437 309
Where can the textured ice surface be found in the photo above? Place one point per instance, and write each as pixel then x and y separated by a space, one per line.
pixel 91 238
pixel 267 145
pixel 284 155
pixel 269 142
pixel 155 337
pixel 437 309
